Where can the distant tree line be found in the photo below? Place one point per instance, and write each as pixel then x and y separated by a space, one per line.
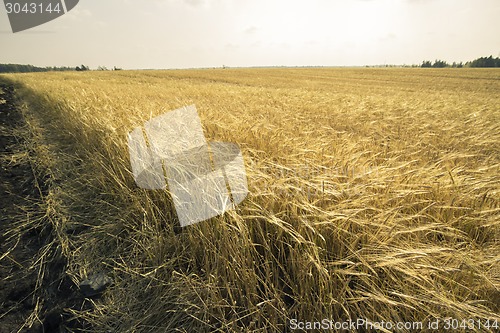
pixel 17 68
pixel 485 62
pixel 479 62
pixel 82 68
pixel 104 68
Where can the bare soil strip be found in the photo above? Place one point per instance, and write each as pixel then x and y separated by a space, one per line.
pixel 17 282
pixel 31 300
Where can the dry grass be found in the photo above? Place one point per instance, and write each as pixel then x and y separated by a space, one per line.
pixel 374 193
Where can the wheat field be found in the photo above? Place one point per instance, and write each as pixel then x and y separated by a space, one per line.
pixel 373 194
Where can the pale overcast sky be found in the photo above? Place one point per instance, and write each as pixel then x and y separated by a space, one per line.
pixel 210 33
